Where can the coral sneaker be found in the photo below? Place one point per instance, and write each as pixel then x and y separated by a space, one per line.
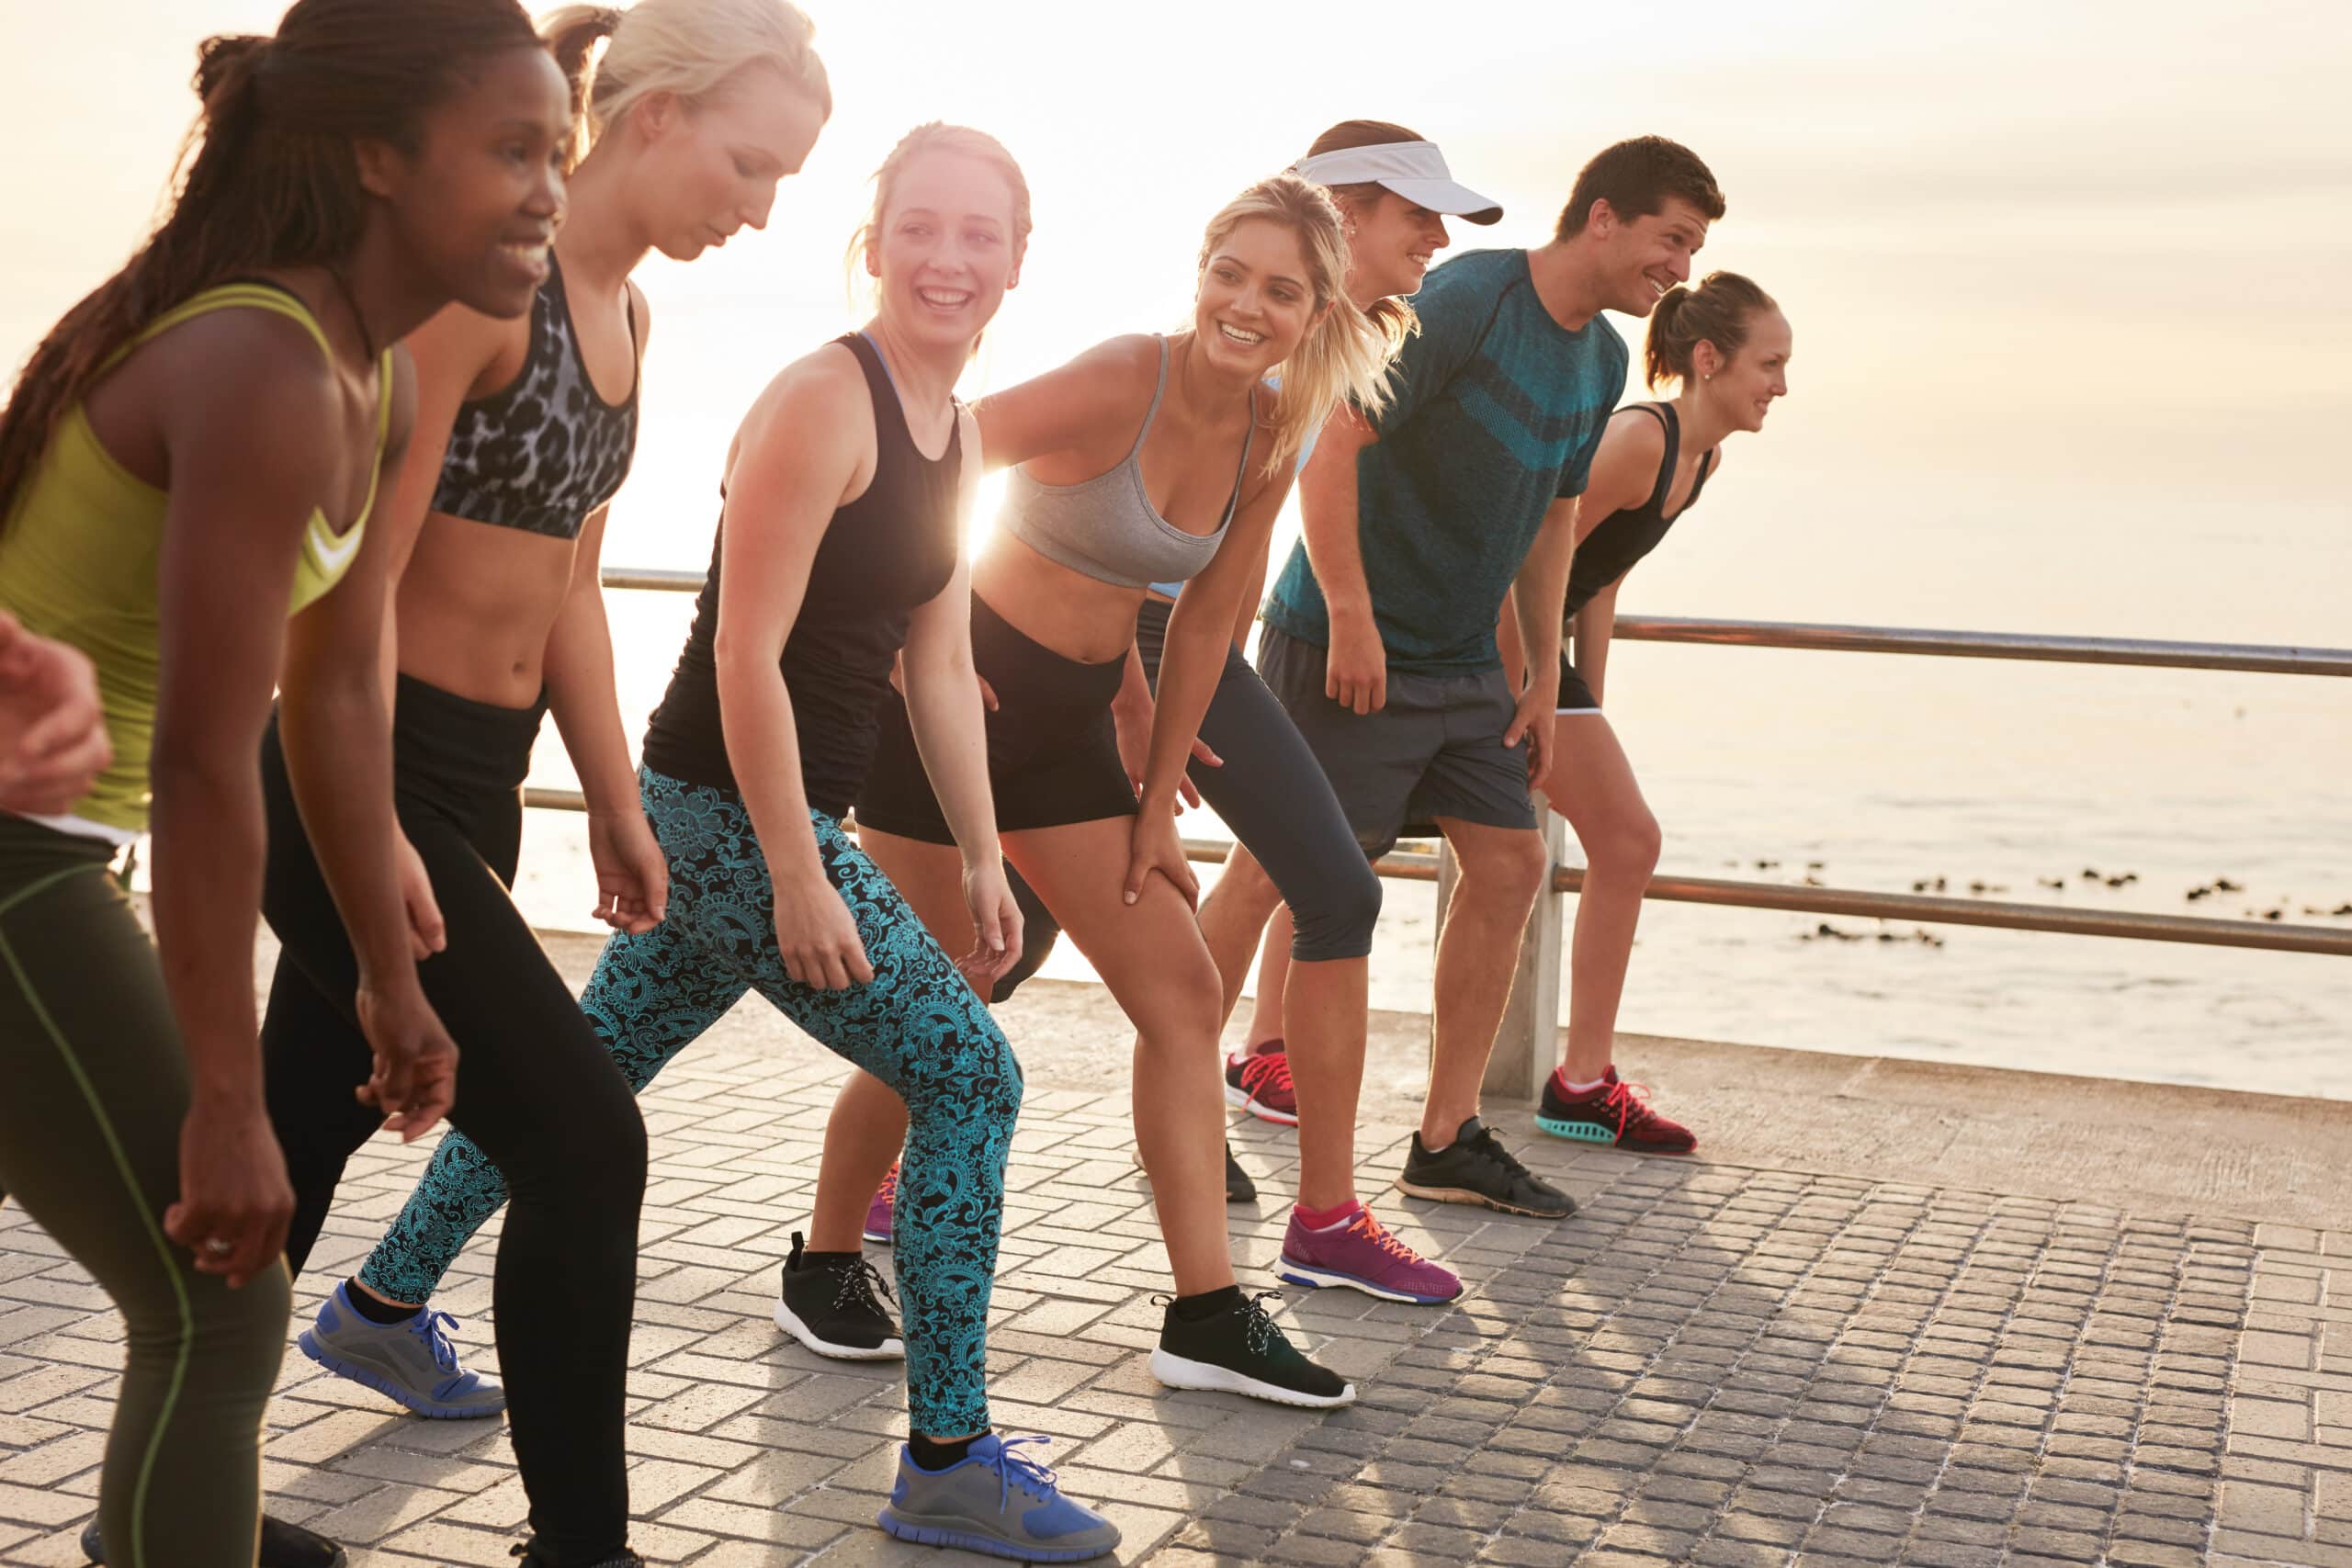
pixel 1362 1254
pixel 884 1204
pixel 1259 1082
pixel 1617 1113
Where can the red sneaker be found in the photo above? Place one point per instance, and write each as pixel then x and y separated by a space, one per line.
pixel 886 1203
pixel 1617 1113
pixel 1259 1082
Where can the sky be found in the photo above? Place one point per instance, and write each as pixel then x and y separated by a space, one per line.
pixel 2031 250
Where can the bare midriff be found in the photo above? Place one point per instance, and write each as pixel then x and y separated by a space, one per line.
pixel 1084 620
pixel 476 607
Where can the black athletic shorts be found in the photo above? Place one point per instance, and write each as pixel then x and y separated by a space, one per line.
pixel 1053 756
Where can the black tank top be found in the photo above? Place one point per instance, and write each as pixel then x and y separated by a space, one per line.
pixel 545 450
pixel 885 553
pixel 1622 538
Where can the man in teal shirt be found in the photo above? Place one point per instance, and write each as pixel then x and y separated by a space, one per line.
pixel 1418 523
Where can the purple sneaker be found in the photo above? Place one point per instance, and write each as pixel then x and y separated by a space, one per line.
pixel 879 1212
pixel 1362 1254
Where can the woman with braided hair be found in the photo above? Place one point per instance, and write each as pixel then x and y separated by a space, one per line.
pixel 190 457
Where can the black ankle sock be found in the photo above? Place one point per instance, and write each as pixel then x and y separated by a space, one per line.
pixel 1209 1304
pixel 939 1456
pixel 374 1311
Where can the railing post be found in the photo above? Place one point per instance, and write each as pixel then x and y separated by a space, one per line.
pixel 1527 1046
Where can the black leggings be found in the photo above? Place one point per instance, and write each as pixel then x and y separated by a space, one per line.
pixel 1272 794
pixel 535 1089
pixel 90 1145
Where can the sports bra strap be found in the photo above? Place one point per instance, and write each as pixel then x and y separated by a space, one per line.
pixel 1706 465
pixel 383 431
pixel 1664 486
pixel 1157 393
pixel 1241 474
pixel 225 296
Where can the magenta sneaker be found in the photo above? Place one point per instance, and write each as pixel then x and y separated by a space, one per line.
pixel 879 1212
pixel 1259 1082
pixel 1362 1254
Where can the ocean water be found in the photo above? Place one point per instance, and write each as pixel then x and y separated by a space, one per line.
pixel 1891 771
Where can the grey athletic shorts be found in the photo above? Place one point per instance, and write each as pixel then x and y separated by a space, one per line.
pixel 1435 749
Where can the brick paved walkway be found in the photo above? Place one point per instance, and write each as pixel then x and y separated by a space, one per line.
pixel 1712 1364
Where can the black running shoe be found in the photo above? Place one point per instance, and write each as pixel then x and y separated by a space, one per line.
pixel 282 1546
pixel 1241 1351
pixel 1477 1168
pixel 831 1305
pixel 1239 1187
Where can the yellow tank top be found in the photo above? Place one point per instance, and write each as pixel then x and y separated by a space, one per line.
pixel 78 562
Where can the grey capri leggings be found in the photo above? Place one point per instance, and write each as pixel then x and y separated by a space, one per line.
pixel 1272 794
pixel 90 1146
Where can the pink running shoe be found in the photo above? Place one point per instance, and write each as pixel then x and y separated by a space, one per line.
pixel 1259 1082
pixel 886 1203
pixel 1363 1255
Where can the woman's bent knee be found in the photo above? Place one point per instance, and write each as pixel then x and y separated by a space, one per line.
pixel 1338 923
pixel 1628 849
pixel 233 1339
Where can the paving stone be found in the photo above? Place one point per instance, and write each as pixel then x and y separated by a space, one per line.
pixel 1709 1365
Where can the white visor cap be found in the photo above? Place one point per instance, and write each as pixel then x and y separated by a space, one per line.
pixel 1414 170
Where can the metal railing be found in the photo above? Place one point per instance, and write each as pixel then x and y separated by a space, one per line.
pixel 2243 658
pixel 1524 1051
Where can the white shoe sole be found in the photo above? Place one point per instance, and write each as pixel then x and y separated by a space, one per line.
pixel 1332 1279
pixel 1241 1099
pixel 789 1321
pixel 1178 1371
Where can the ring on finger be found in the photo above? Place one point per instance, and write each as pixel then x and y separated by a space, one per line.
pixel 217 1247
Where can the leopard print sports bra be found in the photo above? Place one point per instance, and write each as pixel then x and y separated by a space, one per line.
pixel 545 450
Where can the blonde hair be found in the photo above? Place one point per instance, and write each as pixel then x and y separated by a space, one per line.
pixel 692 49
pixel 1344 356
pixel 938 136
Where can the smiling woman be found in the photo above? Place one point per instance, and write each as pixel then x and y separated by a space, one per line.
pixel 191 458
pixel 1146 458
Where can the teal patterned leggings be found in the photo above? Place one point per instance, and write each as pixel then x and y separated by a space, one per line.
pixel 917 1026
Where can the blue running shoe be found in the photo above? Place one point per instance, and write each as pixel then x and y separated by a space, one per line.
pixel 997 1501
pixel 412 1361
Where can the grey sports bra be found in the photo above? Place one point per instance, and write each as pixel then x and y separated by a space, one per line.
pixel 1107 527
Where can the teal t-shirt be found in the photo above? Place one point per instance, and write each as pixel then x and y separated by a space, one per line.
pixel 1497 412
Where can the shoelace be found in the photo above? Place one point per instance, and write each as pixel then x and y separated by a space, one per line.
pixel 857 1287
pixel 1382 1238
pixel 1260 1329
pixel 1630 1101
pixel 888 1193
pixel 433 1327
pixel 1262 1075
pixel 1035 1476
pixel 1492 1148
